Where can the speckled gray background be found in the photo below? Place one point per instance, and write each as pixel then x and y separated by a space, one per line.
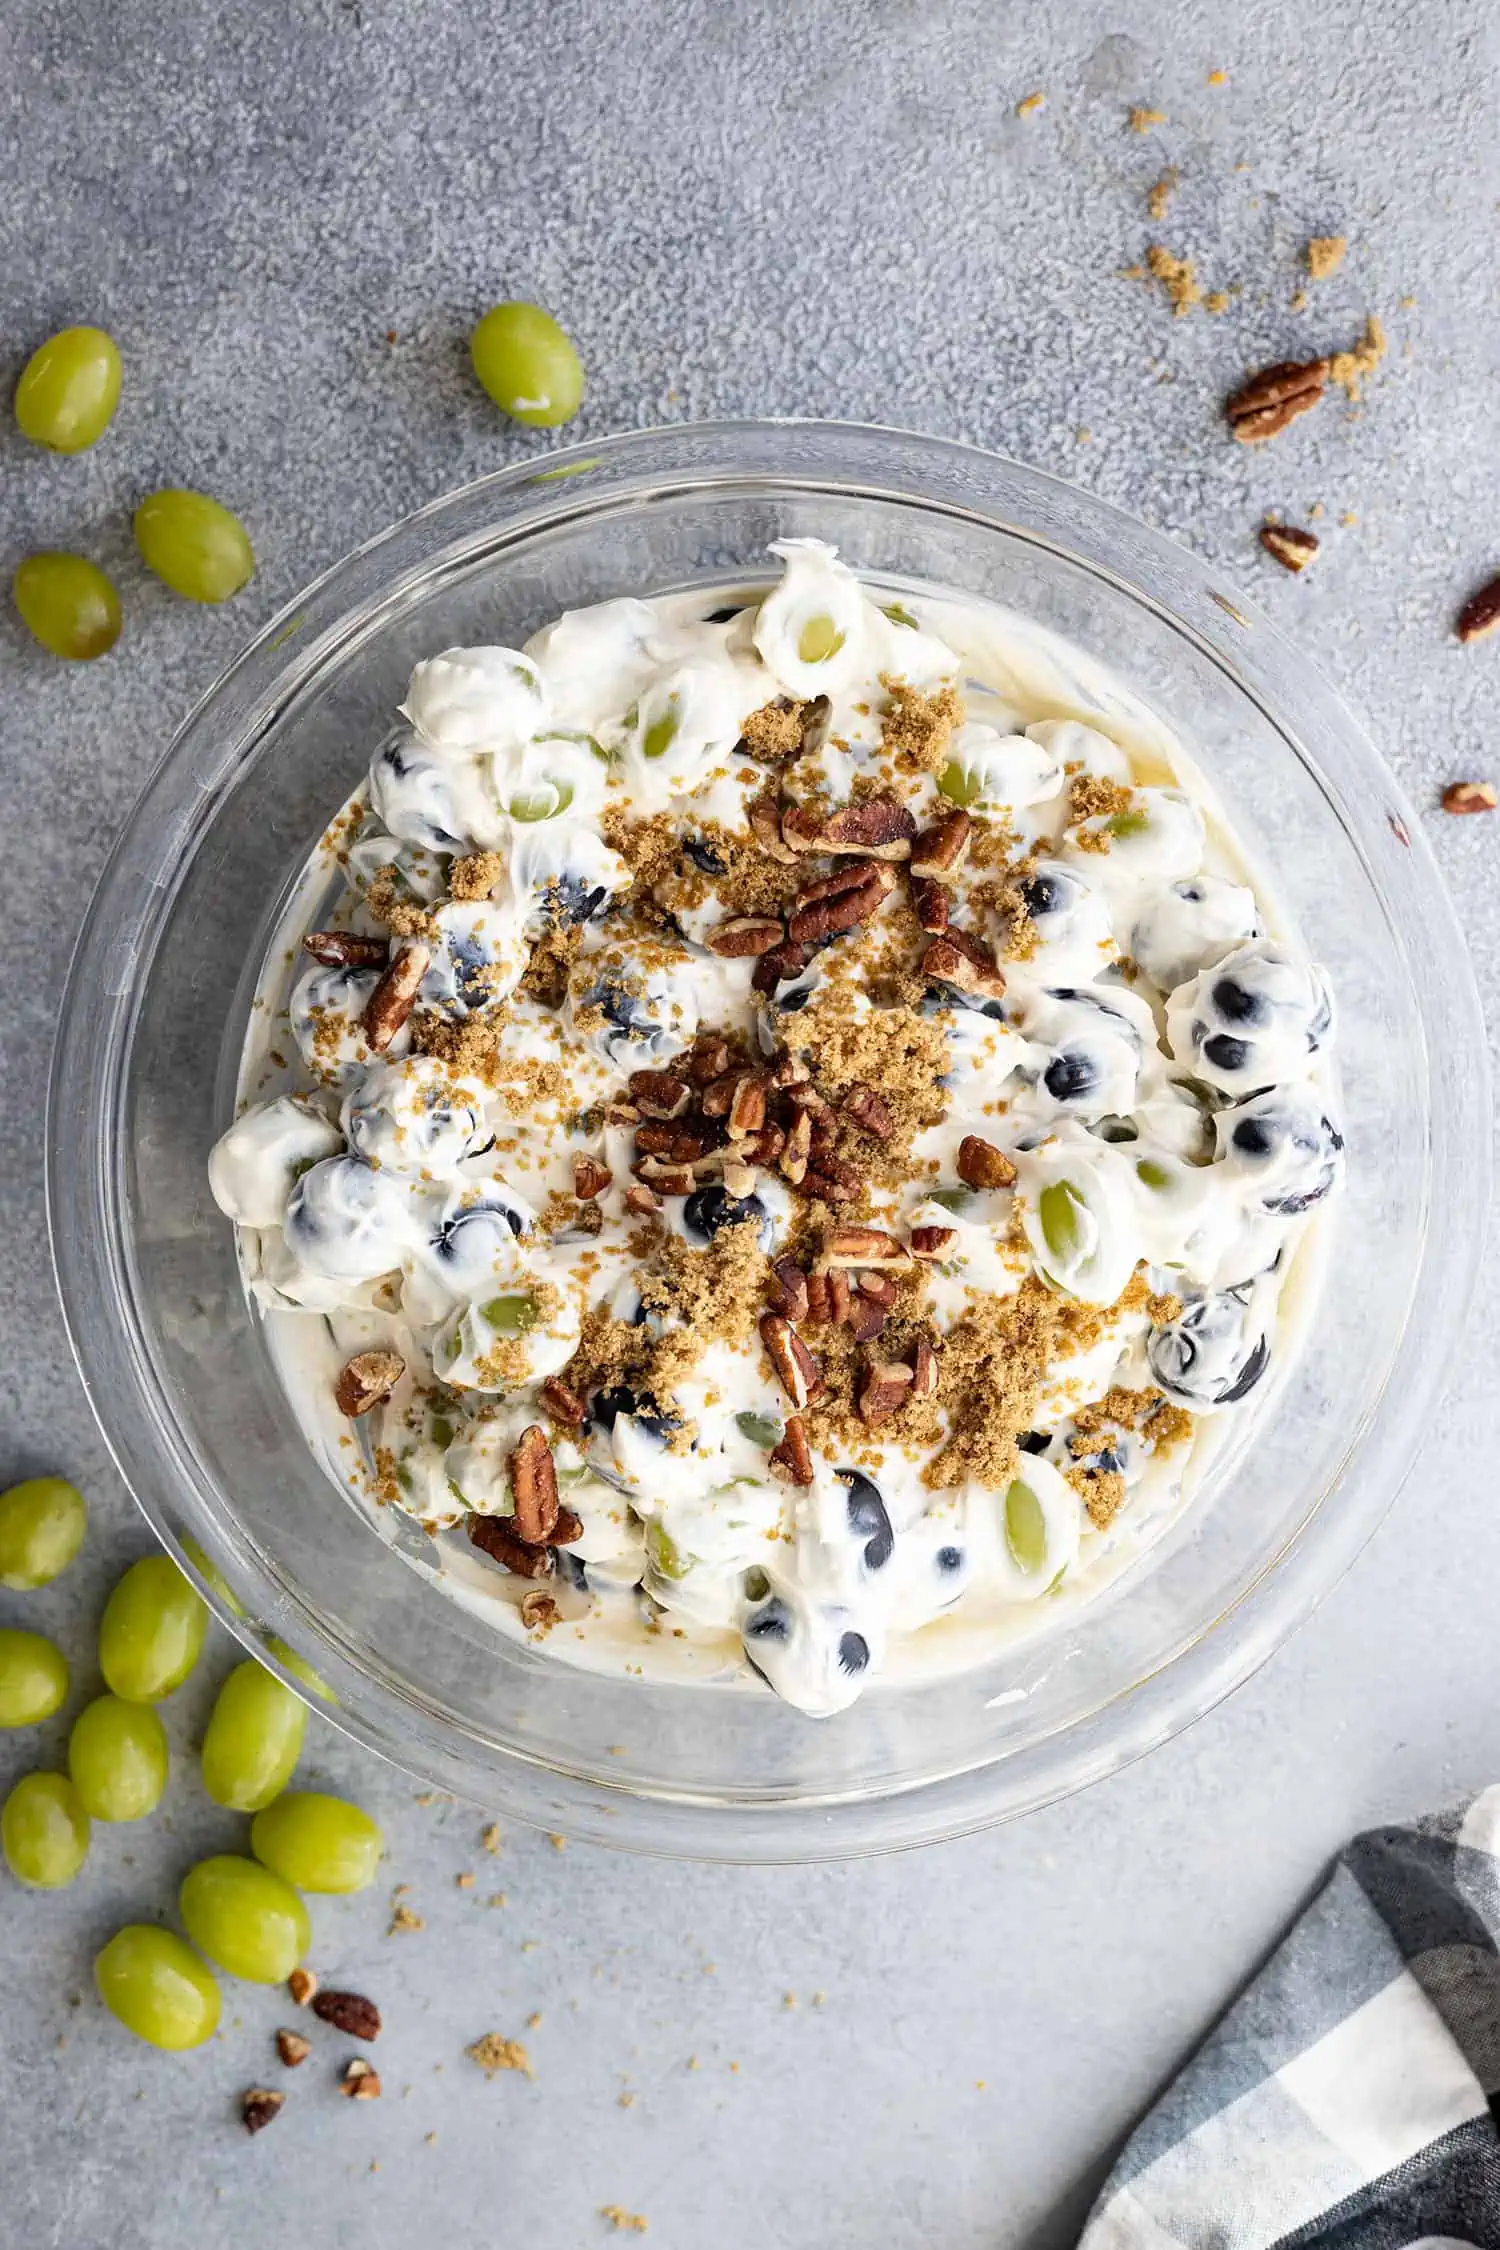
pixel 823 206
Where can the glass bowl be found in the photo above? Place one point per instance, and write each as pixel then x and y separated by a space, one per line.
pixel 144 1078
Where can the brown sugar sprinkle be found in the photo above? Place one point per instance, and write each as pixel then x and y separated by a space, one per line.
pixel 1325 254
pixel 896 1050
pixel 1102 1492
pixel 390 902
pixel 475 875
pixel 1349 369
pixel 778 731
pixel 1163 1309
pixel 650 848
pixel 494 2053
pixel 915 729
pixel 1158 196
pixel 1090 797
pixel 716 1294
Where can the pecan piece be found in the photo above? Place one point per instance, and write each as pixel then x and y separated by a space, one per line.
pixel 258 2107
pixel 1289 544
pixel 929 903
pixel 870 1112
pixel 765 1147
pixel 839 1294
pixel 1480 613
pixel 533 1484
pixel 747 1103
pixel 856 1247
pixel 567 1528
pixel 924 1370
pixel 538 1610
pixel 867 1317
pixel 345 949
pixel 789 1289
pixel 709 1060
pixel 493 1536
pixel 365 1380
pixel 793 1158
pixel 782 963
pixel 819 1301
pixel 792 1460
pixel 641 1203
pixel 869 828
pixel 884 1391
pixel 982 1165
pixel 840 902
pixel 932 1242
pixel 679 1143
pixel 659 1093
pixel 940 851
pixel 395 996
pixel 877 1286
pixel 667 1176
pixel 292 2048
pixel 302 1984
pixel 1469 797
pixel 1264 406
pixel 796 1369
pixel 765 827
pixel 714 1101
pixel 831 1180
pixel 745 937
pixel 590 1178
pixel 349 2012
pixel 361 2080
pixel 960 960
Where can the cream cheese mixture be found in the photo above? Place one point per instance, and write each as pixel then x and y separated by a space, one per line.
pixel 769 1142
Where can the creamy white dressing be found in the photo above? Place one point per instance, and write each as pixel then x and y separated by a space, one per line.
pixel 1178 1121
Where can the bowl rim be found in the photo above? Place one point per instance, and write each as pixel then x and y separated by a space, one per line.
pixel 95 1026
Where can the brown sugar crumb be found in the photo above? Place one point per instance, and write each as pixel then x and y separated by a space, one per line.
pixel 1349 369
pixel 390 902
pixel 552 956
pixel 1102 1492
pixel 475 875
pixel 714 1295
pixel 649 848
pixel 494 2053
pixel 1093 798
pixel 1325 254
pixel 994 1361
pixel 1163 1309
pixel 1177 276
pixel 1160 195
pixel 492 1839
pixel 1216 302
pixel 1218 78
pixel 1030 104
pixel 897 1050
pixel 915 729
pixel 404 1919
pixel 623 2221
pixel 1142 120
pixel 773 734
pixel 472 1048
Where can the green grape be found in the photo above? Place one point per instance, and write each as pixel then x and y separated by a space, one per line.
pixel 546 803
pixel 1058 1208
pixel 68 603
pixel 299 1667
pixel 760 1429
pixel 33 1678
pixel 254 1739
pixel 1153 1175
pixel 151 1631
pixel 511 1316
pixel 665 1553
pixel 319 1843
pixel 41 1529
pixel 68 390
pixel 195 546
pixel 527 365
pixel 662 732
pixel 210 1572
pixel 245 1919
pixel 958 787
pixel 117 1755
pixel 819 639
pixel 157 1987
pixel 1025 1527
pixel 44 1831
pixel 1127 824
pixel 899 614
pixel 953 1199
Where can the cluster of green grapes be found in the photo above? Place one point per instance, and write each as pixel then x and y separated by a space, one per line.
pixel 65 401
pixel 67 396
pixel 244 1914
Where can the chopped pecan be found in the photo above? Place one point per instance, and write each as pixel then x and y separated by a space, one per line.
pixel 621 1113
pixel 929 903
pixel 1469 797
pixel 940 851
pixel 538 1610
pixel 960 960
pixel 786 1072
pixel 665 1175
pixel 567 1528
pixel 258 2107
pixel 714 1100
pixel 779 966
pixel 831 1180
pixel 709 1059
pixel 746 936
pixel 982 1165
pixel 869 828
pixel 493 1536
pixel 739 1179
pixel 792 1460
pixel 1289 544
pixel 641 1203
pixel 361 2080
pixel 302 1984
pixel 932 1242
pixel 533 1484
pixel 590 1178
pixel 806 1096
pixel 365 1380
pixel 765 1147
pixel 659 1093
pixel 842 900
pixel 345 949
pixel 857 1247
pixel 789 1289
pixel 924 1370
pixel 796 1369
pixel 867 1316
pixel 876 1285
pixel 793 1158
pixel 765 827
pixel 395 996
pixel 1264 406
pixel 819 1300
pixel 1480 613
pixel 870 1112
pixel 884 1391
pixel 292 2048
pixel 747 1104
pixel 838 1297
pixel 681 1144
pixel 349 2012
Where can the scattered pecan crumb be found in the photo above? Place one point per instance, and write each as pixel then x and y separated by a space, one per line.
pixel 349 2012
pixel 1480 613
pixel 1265 405
pixel 982 1165
pixel 1142 120
pixel 302 1984
pixel 1029 104
pixel 404 1919
pixel 1325 254
pixel 361 2080
pixel 1291 546
pixel 494 2053
pixel 258 2107
pixel 623 2221
pixel 365 1380
pixel 395 995
pixel 292 2048
pixel 1160 195
pixel 1469 797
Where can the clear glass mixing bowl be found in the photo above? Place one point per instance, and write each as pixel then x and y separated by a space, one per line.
pixel 144 1079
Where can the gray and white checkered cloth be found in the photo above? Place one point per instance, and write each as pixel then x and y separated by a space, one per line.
pixel 1350 2095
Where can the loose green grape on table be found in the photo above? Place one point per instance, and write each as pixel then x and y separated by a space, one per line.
pixel 253 1740
pixel 528 366
pixel 118 1758
pixel 69 390
pixel 68 604
pixel 155 1984
pixel 316 1842
pixel 151 1632
pixel 245 1918
pixel 42 1523
pixel 33 1677
pixel 194 545
pixel 44 1831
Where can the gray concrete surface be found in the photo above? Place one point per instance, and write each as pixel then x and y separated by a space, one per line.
pixel 829 207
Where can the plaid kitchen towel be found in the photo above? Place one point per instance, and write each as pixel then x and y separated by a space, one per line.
pixel 1351 2094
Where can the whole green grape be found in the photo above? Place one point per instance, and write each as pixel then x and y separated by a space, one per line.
pixel 44 1831
pixel 42 1523
pixel 151 1631
pixel 68 604
pixel 318 1843
pixel 33 1678
pixel 117 1755
pixel 158 1988
pixel 194 545
pixel 69 389
pixel 527 365
pixel 245 1919
pixel 254 1739
pixel 300 1669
